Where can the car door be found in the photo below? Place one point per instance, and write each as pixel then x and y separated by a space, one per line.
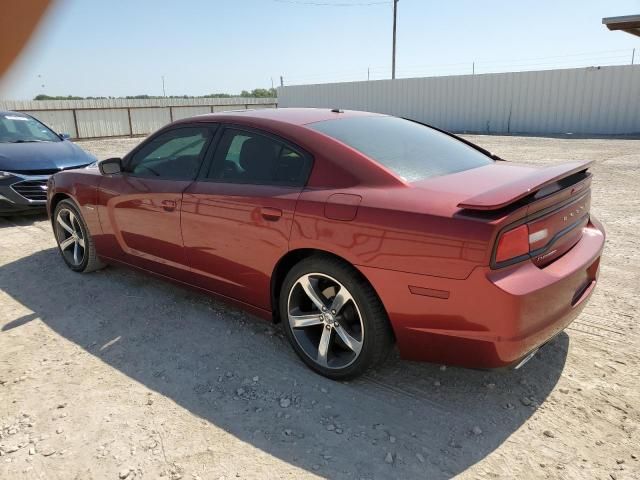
pixel 140 207
pixel 237 217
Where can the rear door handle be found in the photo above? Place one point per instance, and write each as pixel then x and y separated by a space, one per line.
pixel 169 205
pixel 271 214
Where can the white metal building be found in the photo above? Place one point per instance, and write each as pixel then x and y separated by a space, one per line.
pixel 593 100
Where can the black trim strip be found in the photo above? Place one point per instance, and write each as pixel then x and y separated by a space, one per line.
pixel 557 236
pixel 459 138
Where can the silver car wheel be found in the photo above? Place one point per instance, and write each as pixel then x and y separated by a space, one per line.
pixel 70 237
pixel 325 320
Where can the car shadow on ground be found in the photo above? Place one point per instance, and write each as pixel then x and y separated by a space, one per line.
pixel 22 220
pixel 237 372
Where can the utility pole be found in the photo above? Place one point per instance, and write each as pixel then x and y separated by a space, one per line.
pixel 164 93
pixel 368 75
pixel 281 81
pixel 271 83
pixel 633 56
pixel 395 19
pixel 473 68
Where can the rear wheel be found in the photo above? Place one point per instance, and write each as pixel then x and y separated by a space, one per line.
pixel 333 318
pixel 74 242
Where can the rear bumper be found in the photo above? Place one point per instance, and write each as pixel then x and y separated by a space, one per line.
pixel 493 318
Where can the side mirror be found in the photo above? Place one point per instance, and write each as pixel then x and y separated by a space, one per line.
pixel 64 136
pixel 110 166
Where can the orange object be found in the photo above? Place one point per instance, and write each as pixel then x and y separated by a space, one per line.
pixel 17 23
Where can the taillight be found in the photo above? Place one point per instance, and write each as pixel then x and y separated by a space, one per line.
pixel 513 243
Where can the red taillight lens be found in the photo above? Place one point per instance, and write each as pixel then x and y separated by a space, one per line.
pixel 513 243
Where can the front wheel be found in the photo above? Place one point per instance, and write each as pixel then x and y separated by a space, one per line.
pixel 74 241
pixel 333 318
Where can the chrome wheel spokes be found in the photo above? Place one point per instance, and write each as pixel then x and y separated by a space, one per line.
pixel 323 347
pixel 340 300
pixel 307 285
pixel 70 236
pixel 64 224
pixel 349 341
pixel 301 321
pixel 67 243
pixel 325 320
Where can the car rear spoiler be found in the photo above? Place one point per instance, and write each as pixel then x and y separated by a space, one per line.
pixel 512 192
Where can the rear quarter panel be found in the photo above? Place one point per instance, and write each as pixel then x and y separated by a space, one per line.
pixel 393 229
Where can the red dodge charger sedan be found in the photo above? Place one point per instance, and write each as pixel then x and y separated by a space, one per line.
pixel 355 230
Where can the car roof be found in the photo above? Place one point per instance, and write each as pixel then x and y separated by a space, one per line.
pixel 293 116
pixel 9 112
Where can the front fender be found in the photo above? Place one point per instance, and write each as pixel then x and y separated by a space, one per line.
pixel 82 189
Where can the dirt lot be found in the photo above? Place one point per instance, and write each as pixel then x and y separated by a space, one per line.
pixel 118 375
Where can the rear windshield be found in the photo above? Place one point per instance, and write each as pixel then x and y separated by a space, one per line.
pixel 412 151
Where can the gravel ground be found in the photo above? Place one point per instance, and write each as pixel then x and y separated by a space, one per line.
pixel 119 375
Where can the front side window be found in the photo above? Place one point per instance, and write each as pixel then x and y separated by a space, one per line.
pixel 413 151
pixel 19 128
pixel 249 157
pixel 175 154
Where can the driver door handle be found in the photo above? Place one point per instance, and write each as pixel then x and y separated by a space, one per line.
pixel 169 205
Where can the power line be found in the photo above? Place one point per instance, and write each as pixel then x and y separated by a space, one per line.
pixel 438 72
pixel 327 4
pixel 507 69
pixel 563 56
pixel 525 59
pixel 481 66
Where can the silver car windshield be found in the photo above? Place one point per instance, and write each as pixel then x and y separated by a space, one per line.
pixel 18 128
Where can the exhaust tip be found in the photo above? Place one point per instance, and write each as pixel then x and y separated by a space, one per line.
pixel 526 359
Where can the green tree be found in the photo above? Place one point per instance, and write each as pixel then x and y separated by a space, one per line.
pixel 255 93
pixel 60 97
pixel 259 93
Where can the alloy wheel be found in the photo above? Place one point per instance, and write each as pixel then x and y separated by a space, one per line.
pixel 70 237
pixel 325 320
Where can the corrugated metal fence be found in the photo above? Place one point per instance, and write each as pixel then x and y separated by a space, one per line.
pixel 594 100
pixel 115 117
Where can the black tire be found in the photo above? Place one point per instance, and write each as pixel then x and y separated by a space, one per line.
pixel 89 261
pixel 373 332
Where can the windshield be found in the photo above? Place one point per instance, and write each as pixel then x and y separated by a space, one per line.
pixel 17 128
pixel 411 150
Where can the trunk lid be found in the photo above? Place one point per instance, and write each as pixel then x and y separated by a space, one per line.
pixel 521 186
pixel 552 202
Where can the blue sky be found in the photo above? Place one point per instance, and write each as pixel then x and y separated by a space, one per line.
pixel 118 47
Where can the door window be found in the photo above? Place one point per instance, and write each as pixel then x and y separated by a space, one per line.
pixel 249 157
pixel 175 154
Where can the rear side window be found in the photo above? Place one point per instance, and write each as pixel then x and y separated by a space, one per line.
pixel 249 157
pixel 412 151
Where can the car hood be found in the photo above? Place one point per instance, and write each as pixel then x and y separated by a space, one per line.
pixel 42 157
